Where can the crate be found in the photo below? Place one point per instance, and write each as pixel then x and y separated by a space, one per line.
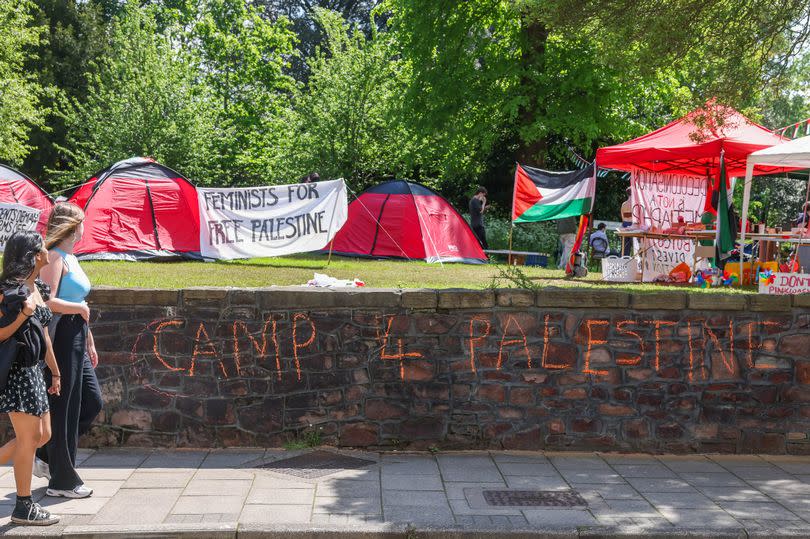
pixel 623 269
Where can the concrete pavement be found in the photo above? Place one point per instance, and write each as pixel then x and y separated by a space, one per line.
pixel 222 493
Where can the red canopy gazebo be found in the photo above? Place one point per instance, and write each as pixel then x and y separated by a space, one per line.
pixel 691 145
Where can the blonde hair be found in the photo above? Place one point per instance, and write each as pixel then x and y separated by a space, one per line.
pixel 62 223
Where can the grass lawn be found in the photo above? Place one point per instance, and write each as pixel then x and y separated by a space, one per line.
pixel 296 270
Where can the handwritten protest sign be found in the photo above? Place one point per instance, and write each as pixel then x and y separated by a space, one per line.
pixel 270 221
pixel 658 200
pixel 786 283
pixel 15 218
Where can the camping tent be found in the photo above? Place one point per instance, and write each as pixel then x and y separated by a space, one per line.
pixel 792 154
pixel 138 209
pixel 18 188
pixel 401 219
pixel 685 147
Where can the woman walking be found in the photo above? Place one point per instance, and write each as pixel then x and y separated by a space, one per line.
pixel 25 318
pixel 73 411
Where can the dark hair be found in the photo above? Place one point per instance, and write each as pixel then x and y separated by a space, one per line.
pixel 19 258
pixel 314 177
pixel 601 226
pixel 481 189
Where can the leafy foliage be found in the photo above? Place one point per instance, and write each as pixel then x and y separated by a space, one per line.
pixel 344 122
pixel 20 91
pixel 143 98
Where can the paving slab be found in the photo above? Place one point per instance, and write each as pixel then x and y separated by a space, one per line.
pixel 138 506
pixel 217 487
pixel 414 498
pixel 196 492
pixel 201 505
pixel 274 514
pixel 153 480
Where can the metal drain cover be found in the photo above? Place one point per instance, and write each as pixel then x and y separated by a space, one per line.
pixel 532 498
pixel 316 464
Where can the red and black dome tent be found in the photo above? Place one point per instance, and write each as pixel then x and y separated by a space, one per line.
pixel 138 209
pixel 402 219
pixel 16 187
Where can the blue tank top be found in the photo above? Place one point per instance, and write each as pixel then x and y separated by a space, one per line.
pixel 74 285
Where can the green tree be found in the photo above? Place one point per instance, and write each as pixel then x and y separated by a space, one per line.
pixel 76 34
pixel 344 123
pixel 243 60
pixel 143 98
pixel 20 92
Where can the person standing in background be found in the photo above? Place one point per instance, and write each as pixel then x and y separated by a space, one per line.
pixel 627 221
pixel 567 229
pixel 478 205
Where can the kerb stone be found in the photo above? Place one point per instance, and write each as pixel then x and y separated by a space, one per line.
pixel 664 301
pixel 134 296
pixel 466 299
pixel 717 302
pixel 514 297
pixel 419 299
pixel 582 299
pixel 766 303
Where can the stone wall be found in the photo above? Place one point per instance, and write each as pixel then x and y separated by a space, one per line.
pixel 556 369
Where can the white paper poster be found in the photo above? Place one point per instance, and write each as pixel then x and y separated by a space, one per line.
pixel 15 218
pixel 786 283
pixel 270 221
pixel 658 200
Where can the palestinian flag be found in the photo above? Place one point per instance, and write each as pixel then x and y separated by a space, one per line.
pixel 726 233
pixel 542 195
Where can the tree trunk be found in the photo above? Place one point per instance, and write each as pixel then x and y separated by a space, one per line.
pixel 532 152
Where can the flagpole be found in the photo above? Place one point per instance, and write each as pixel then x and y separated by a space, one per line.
pixel 511 228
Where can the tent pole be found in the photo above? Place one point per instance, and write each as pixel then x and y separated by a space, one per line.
pixel 511 228
pixel 749 173
pixel 329 233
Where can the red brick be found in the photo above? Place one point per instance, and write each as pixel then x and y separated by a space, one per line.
pixel 492 392
pixel 616 410
pixel 575 393
pixel 635 428
pixel 359 435
pixel 527 439
pixel 380 409
pixel 534 377
pixel 795 345
pixel 556 426
pixel 640 374
pixel 670 431
pixel 586 425
pixel 417 370
pixel 521 396
pixel 802 372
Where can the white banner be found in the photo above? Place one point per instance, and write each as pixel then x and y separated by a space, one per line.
pixel 658 200
pixel 270 221
pixel 15 218
pixel 786 283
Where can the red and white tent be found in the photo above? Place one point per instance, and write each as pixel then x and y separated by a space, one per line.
pixel 138 209
pixel 401 219
pixel 16 187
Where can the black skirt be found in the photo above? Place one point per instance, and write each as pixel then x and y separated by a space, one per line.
pixel 25 391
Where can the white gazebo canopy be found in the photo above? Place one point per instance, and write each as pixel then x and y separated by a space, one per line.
pixel 792 154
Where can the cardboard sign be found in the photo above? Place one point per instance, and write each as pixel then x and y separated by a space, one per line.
pixel 786 283
pixel 15 218
pixel 658 200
